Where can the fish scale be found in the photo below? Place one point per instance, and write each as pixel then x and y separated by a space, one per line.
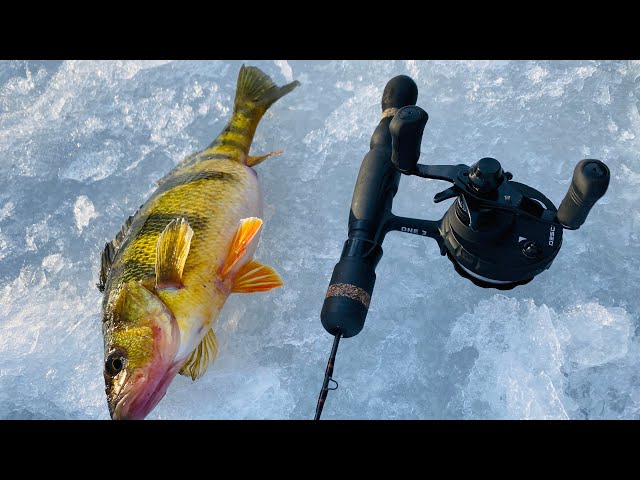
pixel 167 276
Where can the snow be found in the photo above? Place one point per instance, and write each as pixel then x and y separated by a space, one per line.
pixel 83 142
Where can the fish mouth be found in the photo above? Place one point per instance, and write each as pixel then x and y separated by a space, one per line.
pixel 120 405
pixel 141 395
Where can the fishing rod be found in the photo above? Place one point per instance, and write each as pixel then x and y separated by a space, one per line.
pixel 497 233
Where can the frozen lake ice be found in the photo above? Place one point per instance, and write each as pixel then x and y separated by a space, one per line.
pixel 83 142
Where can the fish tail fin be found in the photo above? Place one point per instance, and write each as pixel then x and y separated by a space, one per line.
pixel 255 93
pixel 256 90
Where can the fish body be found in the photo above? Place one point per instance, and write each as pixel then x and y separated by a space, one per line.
pixel 168 273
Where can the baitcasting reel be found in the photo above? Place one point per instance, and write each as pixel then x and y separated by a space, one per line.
pixel 497 233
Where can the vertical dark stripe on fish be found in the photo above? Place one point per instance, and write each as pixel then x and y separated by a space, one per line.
pixel 140 262
pixel 201 157
pixel 246 111
pixel 237 129
pixel 134 269
pixel 155 223
pixel 231 143
pixel 185 178
pixel 217 156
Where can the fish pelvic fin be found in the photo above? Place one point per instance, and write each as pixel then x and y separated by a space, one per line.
pixel 200 359
pixel 255 93
pixel 246 231
pixel 255 277
pixel 172 251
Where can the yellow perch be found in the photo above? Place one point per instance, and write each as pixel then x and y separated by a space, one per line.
pixel 168 272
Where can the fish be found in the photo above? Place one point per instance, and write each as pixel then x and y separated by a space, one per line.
pixel 167 273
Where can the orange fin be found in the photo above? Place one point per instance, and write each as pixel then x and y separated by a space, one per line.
pixel 247 229
pixel 255 277
pixel 252 161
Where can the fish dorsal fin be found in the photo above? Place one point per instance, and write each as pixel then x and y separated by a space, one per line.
pixel 110 251
pixel 246 231
pixel 172 251
pixel 201 357
pixel 255 277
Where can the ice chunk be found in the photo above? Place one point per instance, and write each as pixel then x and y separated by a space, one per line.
pixel 84 211
pixel 53 263
pixel 285 68
pixel 537 74
pixel 598 335
pixel 7 210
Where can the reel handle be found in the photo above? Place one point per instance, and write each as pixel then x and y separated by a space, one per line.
pixel 406 130
pixel 589 183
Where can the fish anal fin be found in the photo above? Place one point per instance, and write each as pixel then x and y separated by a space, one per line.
pixel 172 251
pixel 252 160
pixel 246 231
pixel 201 357
pixel 255 277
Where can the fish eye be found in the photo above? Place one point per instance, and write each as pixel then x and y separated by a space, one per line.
pixel 115 363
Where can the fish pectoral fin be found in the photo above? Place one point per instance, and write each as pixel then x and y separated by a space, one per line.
pixel 172 250
pixel 201 357
pixel 255 277
pixel 247 229
pixel 252 160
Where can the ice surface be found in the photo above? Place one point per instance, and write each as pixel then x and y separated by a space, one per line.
pixel 83 142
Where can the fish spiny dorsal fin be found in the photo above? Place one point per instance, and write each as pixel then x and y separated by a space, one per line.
pixel 106 260
pixel 172 251
pixel 201 357
pixel 255 86
pixel 122 234
pixel 111 250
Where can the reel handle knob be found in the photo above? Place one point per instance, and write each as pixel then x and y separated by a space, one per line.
pixel 406 130
pixel 398 92
pixel 589 183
